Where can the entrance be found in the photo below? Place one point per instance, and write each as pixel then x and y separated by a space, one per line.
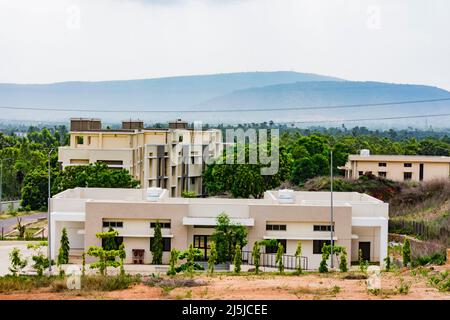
pixel 202 242
pixel 365 250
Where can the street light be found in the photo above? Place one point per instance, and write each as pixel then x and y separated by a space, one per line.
pixel 1 178
pixel 331 208
pixel 49 214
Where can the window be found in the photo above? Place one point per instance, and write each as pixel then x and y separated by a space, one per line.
pixel 324 227
pixel 276 227
pixel 112 224
pixel 318 244
pixel 164 225
pixel 382 164
pixel 407 165
pixel 180 138
pixel 274 249
pixel 382 174
pixel 117 240
pixel 360 173
pixel 193 180
pixel 89 140
pixel 79 139
pixel 407 175
pixel 166 244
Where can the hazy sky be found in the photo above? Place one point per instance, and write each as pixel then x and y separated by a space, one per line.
pixel 406 41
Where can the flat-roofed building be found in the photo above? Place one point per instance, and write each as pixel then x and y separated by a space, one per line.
pixel 169 158
pixel 360 221
pixel 398 167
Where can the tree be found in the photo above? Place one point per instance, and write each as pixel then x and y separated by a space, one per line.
pixel 40 260
pixel 279 258
pixel 226 236
pixel 256 254
pixel 157 245
pixel 237 259
pixel 298 256
pixel 173 261
pixel 17 263
pixel 106 255
pixel 363 264
pixel 122 257
pixel 212 257
pixel 387 260
pixel 343 264
pixel 63 255
pixel 191 255
pixel 20 228
pixel 406 252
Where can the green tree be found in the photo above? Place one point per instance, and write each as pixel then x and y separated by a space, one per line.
pixel 256 254
pixel 323 267
pixel 343 263
pixel 17 262
pixel 122 257
pixel 363 264
pixel 279 258
pixel 41 262
pixel 157 245
pixel 237 259
pixel 64 248
pixel 298 255
pixel 106 254
pixel 212 259
pixel 226 236
pixel 173 261
pixel 406 252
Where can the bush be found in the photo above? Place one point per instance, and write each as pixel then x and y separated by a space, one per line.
pixel 237 259
pixel 109 283
pixel 24 283
pixel 406 252
pixel 436 258
pixel 188 194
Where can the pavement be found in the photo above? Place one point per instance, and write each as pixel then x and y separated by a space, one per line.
pixel 10 223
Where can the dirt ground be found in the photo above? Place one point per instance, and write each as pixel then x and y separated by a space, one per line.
pixel 270 287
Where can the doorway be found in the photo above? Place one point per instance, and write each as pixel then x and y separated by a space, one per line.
pixel 365 250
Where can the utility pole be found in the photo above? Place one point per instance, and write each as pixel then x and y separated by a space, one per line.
pixel 331 208
pixel 49 213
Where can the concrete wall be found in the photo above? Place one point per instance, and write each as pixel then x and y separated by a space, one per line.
pixel 4 205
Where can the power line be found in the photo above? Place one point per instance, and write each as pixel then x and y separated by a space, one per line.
pixel 371 119
pixel 365 105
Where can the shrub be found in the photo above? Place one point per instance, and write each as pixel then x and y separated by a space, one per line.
pixel 436 258
pixel 343 263
pixel 298 255
pixel 173 261
pixel 63 255
pixel 237 259
pixel 188 194
pixel 406 252
pixel 441 281
pixel 41 262
pixel 191 255
pixel 387 260
pixel 363 264
pixel 403 287
pixel 157 245
pixel 109 283
pixel 279 258
pixel 212 257
pixel 256 255
pixel 17 263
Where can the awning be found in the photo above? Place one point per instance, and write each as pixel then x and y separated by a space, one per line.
pixel 291 237
pixel 191 221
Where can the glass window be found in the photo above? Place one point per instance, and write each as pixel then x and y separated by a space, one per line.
pixel 318 244
pixel 407 165
pixel 274 249
pixel 166 244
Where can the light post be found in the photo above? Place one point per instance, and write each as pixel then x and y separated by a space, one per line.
pixel 331 208
pixel 1 179
pixel 49 213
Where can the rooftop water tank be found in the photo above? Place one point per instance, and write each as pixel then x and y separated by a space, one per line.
pixel 286 196
pixel 153 194
pixel 364 153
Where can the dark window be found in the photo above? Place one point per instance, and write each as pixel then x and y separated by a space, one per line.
pixel 118 241
pixel 322 227
pixel 274 249
pixel 318 244
pixel 382 174
pixel 80 140
pixel 164 225
pixel 193 180
pixel 407 175
pixel 407 165
pixel 166 244
pixel 112 224
pixel 276 227
pixel 382 164
pixel 421 172
pixel 360 173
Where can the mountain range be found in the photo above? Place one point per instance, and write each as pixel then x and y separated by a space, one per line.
pixel 230 97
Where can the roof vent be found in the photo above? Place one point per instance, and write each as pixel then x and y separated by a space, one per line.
pixel 286 196
pixel 364 153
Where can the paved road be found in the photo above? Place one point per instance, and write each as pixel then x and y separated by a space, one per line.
pixel 10 223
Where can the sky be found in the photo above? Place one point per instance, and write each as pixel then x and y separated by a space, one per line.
pixel 401 41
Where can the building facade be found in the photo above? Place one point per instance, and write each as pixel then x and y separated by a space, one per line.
pixel 398 167
pixel 360 221
pixel 170 158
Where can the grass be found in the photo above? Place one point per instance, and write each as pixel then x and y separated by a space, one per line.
pixel 24 283
pixel 441 281
pixel 316 291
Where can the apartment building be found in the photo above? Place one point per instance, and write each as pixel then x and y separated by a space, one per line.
pixel 360 221
pixel 169 158
pixel 398 167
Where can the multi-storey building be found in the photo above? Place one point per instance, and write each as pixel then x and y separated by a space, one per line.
pixel 170 158
pixel 360 222
pixel 398 167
